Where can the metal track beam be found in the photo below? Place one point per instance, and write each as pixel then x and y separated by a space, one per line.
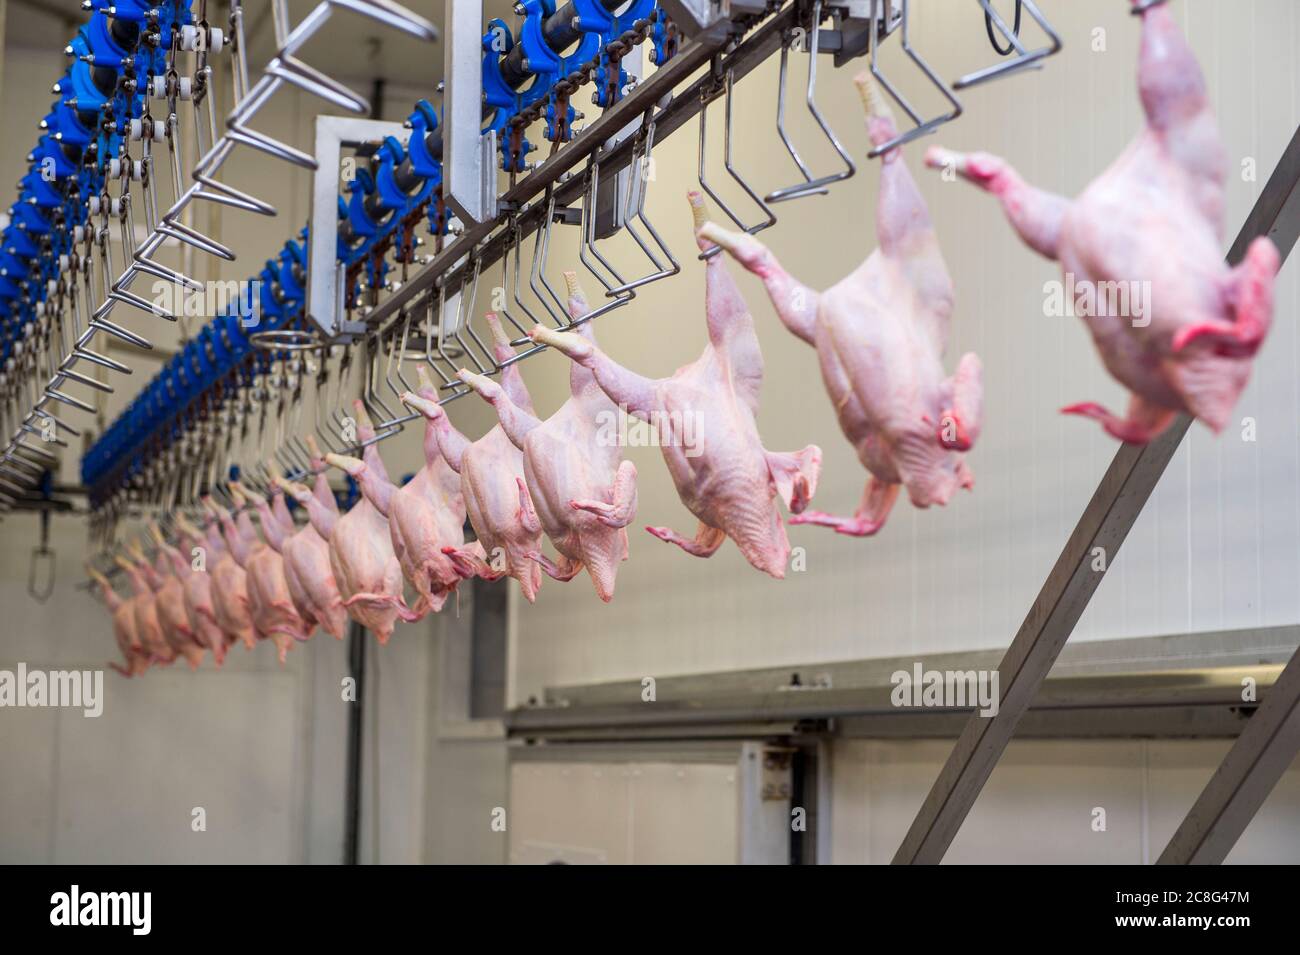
pixel 683 106
pixel 1105 523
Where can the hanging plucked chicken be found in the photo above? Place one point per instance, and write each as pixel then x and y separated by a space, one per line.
pixel 1152 221
pixel 582 493
pixel 880 335
pixel 723 474
pixel 491 473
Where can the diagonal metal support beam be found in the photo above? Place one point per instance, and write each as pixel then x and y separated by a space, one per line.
pixel 1257 760
pixel 1105 523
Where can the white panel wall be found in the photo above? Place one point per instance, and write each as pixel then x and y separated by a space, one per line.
pixel 644 813
pixel 260 747
pixel 1216 547
pixel 122 787
pixel 1040 804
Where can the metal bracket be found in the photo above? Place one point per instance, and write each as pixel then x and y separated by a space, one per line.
pixel 857 19
pixel 709 20
pixel 611 196
pixel 923 126
pixel 324 277
pixel 469 167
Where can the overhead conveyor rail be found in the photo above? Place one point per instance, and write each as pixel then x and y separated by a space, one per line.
pixel 367 286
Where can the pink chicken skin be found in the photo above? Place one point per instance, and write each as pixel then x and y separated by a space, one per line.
pixel 491 473
pixel 269 607
pixel 277 530
pixel 197 585
pixel 1153 220
pixel 726 479
pixel 144 608
pixel 229 588
pixel 124 631
pixel 274 614
pixel 582 491
pixel 307 558
pixel 172 615
pixel 425 516
pixel 361 553
pixel 880 334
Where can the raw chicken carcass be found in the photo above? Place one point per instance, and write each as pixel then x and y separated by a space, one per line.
pixel 243 543
pixel 1149 230
pixel 124 631
pixel 307 560
pixel 229 589
pixel 880 335
pixel 361 554
pixel 491 473
pixel 723 474
pixel 197 584
pixel 172 614
pixel 426 515
pixel 144 608
pixel 583 492
pixel 279 588
pixel 274 616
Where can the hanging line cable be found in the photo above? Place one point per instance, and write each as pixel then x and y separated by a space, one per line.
pixel 1015 28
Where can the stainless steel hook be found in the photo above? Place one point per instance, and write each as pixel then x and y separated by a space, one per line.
pixel 770 217
pixel 810 185
pixel 643 167
pixel 922 127
pixel 460 323
pixel 1027 59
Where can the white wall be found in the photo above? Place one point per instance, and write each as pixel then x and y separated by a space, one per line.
pixel 644 812
pixel 1040 804
pixel 260 747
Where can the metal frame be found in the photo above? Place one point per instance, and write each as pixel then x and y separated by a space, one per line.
pixel 1027 59
pixel 324 281
pixel 1176 686
pixel 1105 523
pixel 469 170
pixel 283 68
